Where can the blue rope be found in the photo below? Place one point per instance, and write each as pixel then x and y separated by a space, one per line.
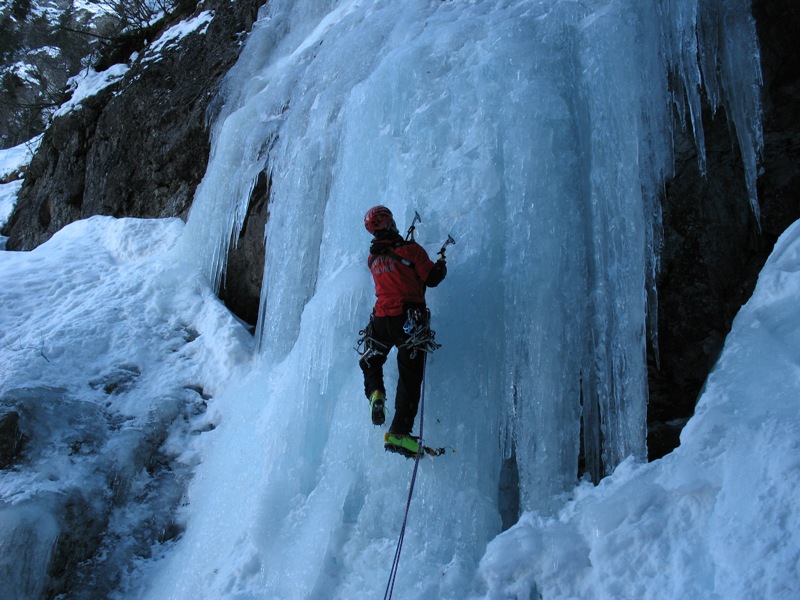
pixel 396 562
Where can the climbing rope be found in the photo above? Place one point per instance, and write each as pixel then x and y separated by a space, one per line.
pixel 396 561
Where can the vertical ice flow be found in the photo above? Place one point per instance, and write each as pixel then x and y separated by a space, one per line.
pixel 539 133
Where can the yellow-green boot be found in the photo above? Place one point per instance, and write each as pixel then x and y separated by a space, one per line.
pixel 407 445
pixel 377 407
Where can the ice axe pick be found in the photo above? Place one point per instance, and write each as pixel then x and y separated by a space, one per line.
pixel 449 241
pixel 410 233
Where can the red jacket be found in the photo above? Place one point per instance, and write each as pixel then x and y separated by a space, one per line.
pixel 401 271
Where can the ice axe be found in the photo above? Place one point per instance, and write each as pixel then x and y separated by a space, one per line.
pixel 410 233
pixel 449 241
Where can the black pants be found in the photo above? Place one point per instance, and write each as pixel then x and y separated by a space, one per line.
pixel 388 331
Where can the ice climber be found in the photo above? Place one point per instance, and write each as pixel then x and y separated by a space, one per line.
pixel 401 270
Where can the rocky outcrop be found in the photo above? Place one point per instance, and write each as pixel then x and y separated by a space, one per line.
pixel 241 287
pixel 10 438
pixel 140 147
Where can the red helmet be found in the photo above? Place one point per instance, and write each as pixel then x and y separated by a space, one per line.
pixel 379 218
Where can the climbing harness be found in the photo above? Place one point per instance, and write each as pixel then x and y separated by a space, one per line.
pixel 417 327
pixel 395 563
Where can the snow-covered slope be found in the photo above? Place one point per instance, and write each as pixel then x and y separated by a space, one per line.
pixel 717 518
pixel 109 353
pixel 13 162
pixel 103 304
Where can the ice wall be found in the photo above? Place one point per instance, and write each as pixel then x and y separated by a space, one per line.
pixel 538 133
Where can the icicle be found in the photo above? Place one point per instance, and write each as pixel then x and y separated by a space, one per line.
pixel 733 60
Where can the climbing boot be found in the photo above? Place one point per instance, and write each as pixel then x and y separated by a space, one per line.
pixel 407 445
pixel 377 407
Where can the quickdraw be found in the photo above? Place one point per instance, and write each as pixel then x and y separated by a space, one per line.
pixel 420 335
pixel 367 346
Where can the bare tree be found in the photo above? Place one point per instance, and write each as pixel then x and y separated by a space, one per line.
pixel 138 14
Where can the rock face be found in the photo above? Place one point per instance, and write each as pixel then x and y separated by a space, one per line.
pixel 143 151
pixel 241 286
pixel 138 148
pixel 10 438
pixel 713 249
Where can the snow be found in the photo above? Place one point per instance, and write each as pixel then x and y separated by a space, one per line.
pixel 25 71
pixel 538 133
pixel 172 36
pixel 12 160
pixel 96 7
pixel 109 352
pixel 89 83
pixel 717 518
pixel 8 199
pixel 51 51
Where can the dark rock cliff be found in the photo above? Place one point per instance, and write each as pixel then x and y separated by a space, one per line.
pixel 713 250
pixel 140 147
pixel 142 153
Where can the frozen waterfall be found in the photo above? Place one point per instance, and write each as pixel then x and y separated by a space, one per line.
pixel 537 132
